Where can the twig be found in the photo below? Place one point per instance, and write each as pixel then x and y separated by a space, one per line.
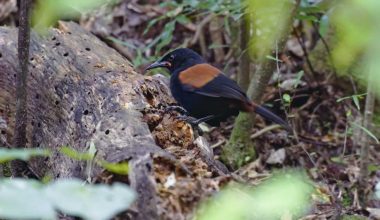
pixel 364 154
pixel 19 167
pixel 200 26
pixel 302 44
pixel 264 130
pixel 326 47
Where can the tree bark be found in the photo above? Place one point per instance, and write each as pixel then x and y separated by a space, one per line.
pixel 245 60
pixel 81 92
pixel 19 167
pixel 240 148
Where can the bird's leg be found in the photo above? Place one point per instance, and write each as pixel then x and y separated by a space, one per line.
pixel 176 108
pixel 194 121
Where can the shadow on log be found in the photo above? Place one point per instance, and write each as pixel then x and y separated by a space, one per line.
pixel 81 92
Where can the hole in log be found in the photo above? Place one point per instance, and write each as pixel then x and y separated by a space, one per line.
pixel 57 102
pixel 72 108
pixel 88 49
pixel 85 112
pixel 37 96
pixel 123 129
pixel 107 132
pixel 3 132
pixel 57 44
pixel 1 55
pixel 14 75
pixel 148 166
pixel 31 59
pixel 53 38
pixel 88 93
pixel 66 54
pixel 38 124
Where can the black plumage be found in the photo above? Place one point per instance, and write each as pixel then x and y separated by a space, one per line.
pixel 205 92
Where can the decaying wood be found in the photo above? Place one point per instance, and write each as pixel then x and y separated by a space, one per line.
pixel 82 92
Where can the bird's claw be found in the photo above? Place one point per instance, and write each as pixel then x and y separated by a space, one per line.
pixel 192 121
pixel 176 108
pixel 188 119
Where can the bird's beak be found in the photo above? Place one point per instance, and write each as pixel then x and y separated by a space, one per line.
pixel 158 64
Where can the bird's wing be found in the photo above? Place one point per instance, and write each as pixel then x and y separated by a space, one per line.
pixel 207 80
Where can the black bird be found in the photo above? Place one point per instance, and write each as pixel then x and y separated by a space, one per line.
pixel 205 92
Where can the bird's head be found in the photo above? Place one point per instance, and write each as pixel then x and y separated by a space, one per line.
pixel 177 59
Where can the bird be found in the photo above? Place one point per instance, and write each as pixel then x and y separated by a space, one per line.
pixel 204 93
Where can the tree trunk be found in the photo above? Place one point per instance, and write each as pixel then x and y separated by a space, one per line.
pixel 240 148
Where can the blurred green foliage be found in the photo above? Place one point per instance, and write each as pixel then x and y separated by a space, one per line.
pixel 270 19
pixel 286 194
pixel 118 168
pixel 48 12
pixel 358 32
pixel 7 155
pixel 30 199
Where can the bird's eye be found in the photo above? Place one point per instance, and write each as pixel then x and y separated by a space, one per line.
pixel 171 57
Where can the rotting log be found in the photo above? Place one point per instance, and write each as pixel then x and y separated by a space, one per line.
pixel 80 92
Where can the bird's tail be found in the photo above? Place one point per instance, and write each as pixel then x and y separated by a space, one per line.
pixel 267 114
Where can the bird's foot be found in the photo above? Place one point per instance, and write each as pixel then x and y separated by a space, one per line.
pixel 193 122
pixel 176 108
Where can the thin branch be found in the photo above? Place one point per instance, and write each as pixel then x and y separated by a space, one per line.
pixel 19 167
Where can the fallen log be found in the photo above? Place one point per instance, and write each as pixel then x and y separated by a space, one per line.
pixel 82 93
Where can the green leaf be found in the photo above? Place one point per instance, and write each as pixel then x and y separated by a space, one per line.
pixel 286 97
pixel 273 58
pixel 118 168
pixel 21 154
pixel 373 168
pixel 367 131
pixel 182 19
pixel 95 202
pixel 166 36
pixel 356 101
pixel 324 25
pixel 298 79
pixel 24 199
pixel 73 154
